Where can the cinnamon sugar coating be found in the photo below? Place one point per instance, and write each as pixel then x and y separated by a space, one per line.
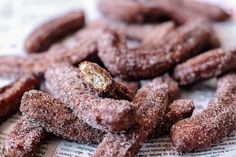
pixel 101 81
pixel 10 95
pixel 17 66
pixel 133 86
pixel 181 11
pixel 136 31
pixel 211 125
pixel 187 41
pixel 106 114
pixel 55 117
pixel 204 66
pixel 46 34
pixel 151 102
pixel 24 139
pixel 177 110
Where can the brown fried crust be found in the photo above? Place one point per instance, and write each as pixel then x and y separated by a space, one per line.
pixel 17 66
pixel 116 10
pixel 55 117
pixel 180 11
pixel 101 81
pixel 10 95
pixel 177 110
pixel 151 102
pixel 154 39
pixel 46 34
pixel 134 31
pixel 211 125
pixel 187 41
pixel 133 86
pixel 24 139
pixel 204 66
pixel 106 114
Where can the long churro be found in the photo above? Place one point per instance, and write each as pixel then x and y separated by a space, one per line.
pixel 63 82
pixel 55 117
pixel 151 102
pixel 185 42
pixel 211 125
pixel 43 36
pixel 206 65
pixel 181 11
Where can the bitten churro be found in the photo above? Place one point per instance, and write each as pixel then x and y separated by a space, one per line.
pixel 24 139
pixel 151 102
pixel 204 66
pixel 180 11
pixel 106 114
pixel 101 81
pixel 46 34
pixel 10 95
pixel 178 110
pixel 211 125
pixel 187 41
pixel 55 117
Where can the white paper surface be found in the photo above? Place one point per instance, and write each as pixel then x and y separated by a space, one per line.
pixel 19 17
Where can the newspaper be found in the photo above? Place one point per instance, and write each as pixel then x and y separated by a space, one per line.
pixel 19 17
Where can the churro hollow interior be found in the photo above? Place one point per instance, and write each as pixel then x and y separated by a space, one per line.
pixel 95 76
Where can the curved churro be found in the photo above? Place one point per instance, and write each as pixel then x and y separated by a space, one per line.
pixel 54 117
pixel 204 66
pixel 178 110
pixel 151 102
pixel 46 34
pixel 106 114
pixel 136 31
pixel 213 124
pixel 180 11
pixel 10 95
pixel 101 81
pixel 17 66
pixel 24 139
pixel 185 42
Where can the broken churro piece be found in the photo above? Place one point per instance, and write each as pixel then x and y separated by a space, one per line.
pixel 54 117
pixel 187 41
pixel 106 114
pixel 178 110
pixel 204 66
pixel 151 102
pixel 46 34
pixel 101 81
pixel 24 139
pixel 212 124
pixel 10 95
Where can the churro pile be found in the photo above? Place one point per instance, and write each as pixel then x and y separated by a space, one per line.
pixel 89 89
